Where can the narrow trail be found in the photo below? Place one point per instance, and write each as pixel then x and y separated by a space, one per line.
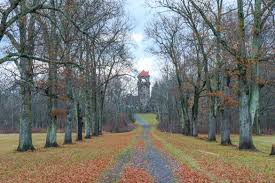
pixel 147 158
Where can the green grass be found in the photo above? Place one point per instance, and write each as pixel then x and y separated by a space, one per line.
pixel 9 142
pixel 263 143
pixel 149 118
pixel 193 151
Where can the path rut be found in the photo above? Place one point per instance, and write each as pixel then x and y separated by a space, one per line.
pixel 149 158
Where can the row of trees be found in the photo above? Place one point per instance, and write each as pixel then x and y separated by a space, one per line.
pixel 66 52
pixel 218 51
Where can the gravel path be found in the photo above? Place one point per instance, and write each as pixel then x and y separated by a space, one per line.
pixel 148 158
pixel 158 164
pixel 113 175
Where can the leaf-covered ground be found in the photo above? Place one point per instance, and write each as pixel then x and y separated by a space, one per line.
pixel 142 163
pixel 211 162
pixel 143 155
pixel 81 162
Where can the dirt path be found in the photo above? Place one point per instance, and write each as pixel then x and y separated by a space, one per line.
pixel 147 158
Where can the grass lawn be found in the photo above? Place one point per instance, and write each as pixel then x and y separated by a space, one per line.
pixel 84 161
pixel 89 160
pixel 217 162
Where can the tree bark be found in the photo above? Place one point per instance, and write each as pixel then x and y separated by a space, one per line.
pixel 225 127
pixel 79 123
pixel 225 131
pixel 52 106
pixel 69 107
pixel 211 122
pixel 186 120
pixel 183 101
pixel 25 126
pixel 195 110
pixel 225 117
pixel 51 133
pixel 255 72
pixel 95 120
pixel 246 141
pixel 26 81
pixel 88 118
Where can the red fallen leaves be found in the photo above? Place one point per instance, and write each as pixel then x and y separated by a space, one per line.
pixel 81 162
pixel 229 172
pixel 184 174
pixel 216 166
pixel 88 171
pixel 136 175
pixel 140 144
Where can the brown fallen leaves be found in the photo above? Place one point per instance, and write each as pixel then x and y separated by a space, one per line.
pixel 136 175
pixel 80 162
pixel 184 174
pixel 216 162
pixel 88 171
pixel 226 171
pixel 140 144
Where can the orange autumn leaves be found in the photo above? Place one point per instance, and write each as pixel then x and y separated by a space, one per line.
pixel 86 171
pixel 183 173
pixel 213 162
pixel 136 175
pixel 186 175
pixel 80 162
pixel 132 174
pixel 140 144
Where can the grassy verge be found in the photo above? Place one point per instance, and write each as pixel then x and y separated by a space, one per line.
pixel 224 163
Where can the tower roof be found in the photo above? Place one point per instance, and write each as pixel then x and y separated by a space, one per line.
pixel 144 74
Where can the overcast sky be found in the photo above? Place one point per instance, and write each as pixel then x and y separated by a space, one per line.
pixel 140 14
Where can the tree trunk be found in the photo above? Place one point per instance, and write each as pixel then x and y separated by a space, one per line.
pixel 225 128
pixel 69 123
pixel 211 126
pixel 195 109
pixel 95 120
pixel 88 117
pixel 70 107
pixel 51 133
pixel 101 109
pixel 187 127
pixel 212 122
pixel 26 81
pixel 195 128
pixel 246 141
pixel 25 126
pixel 52 121
pixel 52 106
pixel 255 72
pixel 79 123
pixel 52 48
pixel 225 116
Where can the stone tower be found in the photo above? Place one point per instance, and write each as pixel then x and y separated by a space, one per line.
pixel 144 90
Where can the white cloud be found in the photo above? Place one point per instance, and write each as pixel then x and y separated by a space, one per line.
pixel 137 37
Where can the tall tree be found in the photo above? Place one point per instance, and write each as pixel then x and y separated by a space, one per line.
pixel 248 94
